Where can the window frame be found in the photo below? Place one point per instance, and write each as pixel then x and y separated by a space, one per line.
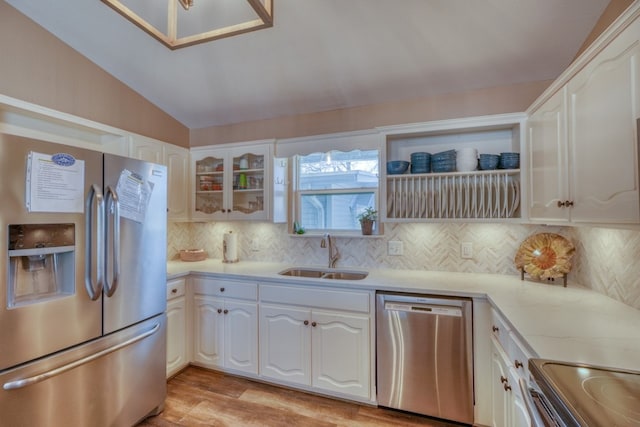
pixel 297 194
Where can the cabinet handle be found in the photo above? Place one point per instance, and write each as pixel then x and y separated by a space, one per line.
pixel 313 324
pixel 226 311
pixel 518 364
pixel 221 289
pixel 565 204
pixel 219 310
pixel 507 387
pixel 174 291
pixel 306 323
pixel 494 328
pixel 503 379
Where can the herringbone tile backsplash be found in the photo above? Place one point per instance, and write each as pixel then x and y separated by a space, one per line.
pixel 606 260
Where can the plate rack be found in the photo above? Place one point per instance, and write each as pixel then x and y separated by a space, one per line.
pixel 476 195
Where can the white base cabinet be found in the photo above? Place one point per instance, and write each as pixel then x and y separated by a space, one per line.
pixel 309 344
pixel 225 324
pixel 509 361
pixel 176 327
pixel 322 349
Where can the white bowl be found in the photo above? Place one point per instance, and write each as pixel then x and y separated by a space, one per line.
pixel 466 165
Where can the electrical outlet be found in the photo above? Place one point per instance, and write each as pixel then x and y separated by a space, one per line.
pixel 466 250
pixel 394 247
pixel 254 244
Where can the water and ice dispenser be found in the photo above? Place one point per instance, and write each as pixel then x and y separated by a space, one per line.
pixel 41 262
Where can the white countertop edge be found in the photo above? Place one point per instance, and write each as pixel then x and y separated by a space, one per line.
pixel 572 324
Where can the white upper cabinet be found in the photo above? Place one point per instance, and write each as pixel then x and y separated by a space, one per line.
pixel 548 159
pixel 177 161
pixel 232 183
pixel 147 149
pixel 457 189
pixel 602 115
pixel 584 141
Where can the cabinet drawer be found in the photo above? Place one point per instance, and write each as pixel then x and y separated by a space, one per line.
pixel 226 288
pixel 519 355
pixel 500 330
pixel 175 288
pixel 336 299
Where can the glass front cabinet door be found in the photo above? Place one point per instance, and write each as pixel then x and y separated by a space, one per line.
pixel 232 184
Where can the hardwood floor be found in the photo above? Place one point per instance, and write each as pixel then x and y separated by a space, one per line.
pixel 200 397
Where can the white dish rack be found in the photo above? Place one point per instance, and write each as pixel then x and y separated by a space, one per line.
pixel 478 194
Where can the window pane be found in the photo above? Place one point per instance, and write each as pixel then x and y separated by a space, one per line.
pixel 334 211
pixel 338 170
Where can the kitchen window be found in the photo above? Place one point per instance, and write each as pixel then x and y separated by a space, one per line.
pixel 332 188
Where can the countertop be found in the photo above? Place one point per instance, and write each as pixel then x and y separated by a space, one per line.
pixel 572 324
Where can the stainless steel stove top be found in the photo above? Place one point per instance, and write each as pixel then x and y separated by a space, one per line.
pixel 593 396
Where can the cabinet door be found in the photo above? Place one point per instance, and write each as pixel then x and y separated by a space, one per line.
pixel 208 184
pixel 208 334
pixel 176 333
pixel 548 168
pixel 285 343
pixel 250 178
pixel 499 377
pixel 146 149
pixel 241 336
pixel 604 99
pixel 519 415
pixel 341 353
pixel 177 161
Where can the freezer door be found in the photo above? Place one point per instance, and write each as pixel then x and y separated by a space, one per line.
pixel 135 275
pixel 48 322
pixel 112 381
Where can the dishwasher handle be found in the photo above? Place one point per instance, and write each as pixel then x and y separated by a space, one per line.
pixel 417 308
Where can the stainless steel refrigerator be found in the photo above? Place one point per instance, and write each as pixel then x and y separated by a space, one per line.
pixel 82 297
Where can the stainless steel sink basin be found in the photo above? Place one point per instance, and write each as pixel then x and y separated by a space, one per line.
pixel 324 274
pixel 345 275
pixel 302 272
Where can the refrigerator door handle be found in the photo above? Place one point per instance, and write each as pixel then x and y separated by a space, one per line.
pixel 94 202
pixel 113 216
pixel 25 382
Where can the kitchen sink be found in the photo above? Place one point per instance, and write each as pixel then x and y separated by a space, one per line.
pixel 324 274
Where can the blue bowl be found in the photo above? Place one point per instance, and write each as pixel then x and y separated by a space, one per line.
pixel 509 160
pixel 397 167
pixel 489 161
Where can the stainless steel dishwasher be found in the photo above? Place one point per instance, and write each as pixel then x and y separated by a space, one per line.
pixel 425 355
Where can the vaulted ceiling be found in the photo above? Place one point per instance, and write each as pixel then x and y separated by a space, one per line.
pixel 328 54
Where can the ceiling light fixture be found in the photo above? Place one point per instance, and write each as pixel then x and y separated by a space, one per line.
pixel 181 27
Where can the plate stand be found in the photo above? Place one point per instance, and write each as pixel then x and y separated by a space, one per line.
pixel 551 279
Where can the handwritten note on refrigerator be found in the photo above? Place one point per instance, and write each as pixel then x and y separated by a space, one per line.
pixel 54 183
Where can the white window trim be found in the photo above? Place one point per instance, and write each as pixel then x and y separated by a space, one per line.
pixel 296 195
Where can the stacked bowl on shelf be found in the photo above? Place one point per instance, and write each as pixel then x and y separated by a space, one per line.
pixel 444 161
pixel 489 161
pixel 420 162
pixel 466 159
pixel 509 161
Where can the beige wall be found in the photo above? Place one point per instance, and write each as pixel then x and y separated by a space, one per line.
pixel 496 100
pixel 612 11
pixel 37 67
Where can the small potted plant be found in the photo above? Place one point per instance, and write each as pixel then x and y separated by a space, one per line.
pixel 367 218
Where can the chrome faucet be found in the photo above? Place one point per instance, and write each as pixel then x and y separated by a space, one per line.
pixel 334 254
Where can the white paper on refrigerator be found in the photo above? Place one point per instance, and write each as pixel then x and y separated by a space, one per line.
pixel 54 183
pixel 134 193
